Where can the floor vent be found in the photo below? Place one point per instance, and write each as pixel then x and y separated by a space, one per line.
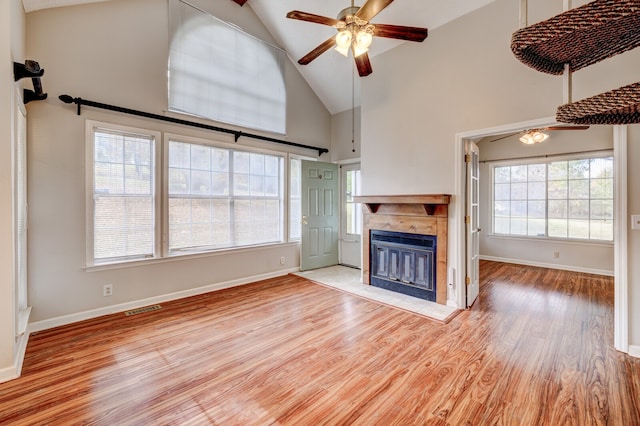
pixel 143 310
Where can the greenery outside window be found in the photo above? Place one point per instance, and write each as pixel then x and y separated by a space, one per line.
pixel 567 199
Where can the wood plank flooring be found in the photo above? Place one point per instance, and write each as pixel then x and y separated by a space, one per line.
pixel 535 349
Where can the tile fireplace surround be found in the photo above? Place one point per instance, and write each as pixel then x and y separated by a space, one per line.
pixel 416 214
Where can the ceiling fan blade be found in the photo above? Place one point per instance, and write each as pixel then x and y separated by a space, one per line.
pixel 565 128
pixel 328 44
pixel 310 17
pixel 508 135
pixel 400 32
pixel 371 8
pixel 363 64
pixel 240 2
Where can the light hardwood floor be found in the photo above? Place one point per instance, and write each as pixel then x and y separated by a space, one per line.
pixel 535 349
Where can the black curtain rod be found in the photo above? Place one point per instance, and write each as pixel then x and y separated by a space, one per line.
pixel 236 133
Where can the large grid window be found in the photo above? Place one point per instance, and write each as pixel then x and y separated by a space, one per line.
pixel 123 195
pixel 205 197
pixel 570 199
pixel 221 198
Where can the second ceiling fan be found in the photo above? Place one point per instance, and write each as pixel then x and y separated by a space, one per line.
pixel 356 32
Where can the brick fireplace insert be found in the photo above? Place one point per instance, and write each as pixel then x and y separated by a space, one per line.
pixel 414 214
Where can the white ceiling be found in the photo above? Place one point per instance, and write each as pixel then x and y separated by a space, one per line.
pixel 330 74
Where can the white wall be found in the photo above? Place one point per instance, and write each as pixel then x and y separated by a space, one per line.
pixel 576 256
pixel 464 77
pixel 116 52
pixel 11 49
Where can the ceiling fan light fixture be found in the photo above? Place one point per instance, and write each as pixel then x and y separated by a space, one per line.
pixel 363 40
pixel 343 41
pixel 533 136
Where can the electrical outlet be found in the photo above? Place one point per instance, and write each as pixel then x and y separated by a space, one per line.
pixel 107 290
pixel 283 260
pixel 556 254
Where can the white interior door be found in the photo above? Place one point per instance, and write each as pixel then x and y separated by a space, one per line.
pixel 472 278
pixel 320 218
pixel 351 216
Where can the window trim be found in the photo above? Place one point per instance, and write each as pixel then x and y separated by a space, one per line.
pixel 288 195
pixel 536 160
pixel 167 137
pixel 161 196
pixel 90 127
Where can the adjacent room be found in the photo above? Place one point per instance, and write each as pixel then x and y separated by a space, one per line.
pixel 294 213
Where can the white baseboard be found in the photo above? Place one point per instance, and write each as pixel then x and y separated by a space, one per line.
pixel 94 313
pixel 14 371
pixel 634 351
pixel 550 265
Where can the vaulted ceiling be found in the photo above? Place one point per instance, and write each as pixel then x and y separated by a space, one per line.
pixel 330 74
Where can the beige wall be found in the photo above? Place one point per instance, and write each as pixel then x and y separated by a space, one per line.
pixel 11 49
pixel 464 77
pixel 633 206
pixel 343 131
pixel 593 257
pixel 116 52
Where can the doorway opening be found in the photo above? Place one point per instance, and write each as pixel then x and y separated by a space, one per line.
pixel 459 232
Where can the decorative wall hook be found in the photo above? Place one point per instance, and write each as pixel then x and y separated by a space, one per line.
pixel 28 69
pixel 32 70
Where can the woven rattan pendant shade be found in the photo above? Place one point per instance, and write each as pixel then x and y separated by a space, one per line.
pixel 620 106
pixel 581 37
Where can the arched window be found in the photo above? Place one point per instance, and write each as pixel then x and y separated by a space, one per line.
pixel 218 71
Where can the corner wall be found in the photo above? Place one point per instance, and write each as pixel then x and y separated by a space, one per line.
pixel 464 77
pixel 11 49
pixel 116 52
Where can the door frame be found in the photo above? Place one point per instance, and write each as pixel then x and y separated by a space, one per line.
pixel 341 164
pixel 457 227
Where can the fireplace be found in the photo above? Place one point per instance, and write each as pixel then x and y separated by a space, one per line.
pixel 404 263
pixel 404 244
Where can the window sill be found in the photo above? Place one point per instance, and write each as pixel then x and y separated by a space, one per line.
pixel 182 257
pixel 551 240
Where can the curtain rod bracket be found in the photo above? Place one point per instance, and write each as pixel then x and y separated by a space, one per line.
pixel 236 133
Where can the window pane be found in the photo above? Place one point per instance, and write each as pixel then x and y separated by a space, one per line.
pixel 502 191
pixel 353 210
pixel 123 210
pixel 557 190
pixel 537 190
pixel 537 172
pixel 213 213
pixel 502 174
pixel 579 189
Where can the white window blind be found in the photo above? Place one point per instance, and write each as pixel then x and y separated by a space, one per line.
pixel 123 195
pixel 219 72
pixel 222 198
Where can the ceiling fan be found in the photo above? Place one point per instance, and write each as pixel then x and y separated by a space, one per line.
pixel 533 136
pixel 356 32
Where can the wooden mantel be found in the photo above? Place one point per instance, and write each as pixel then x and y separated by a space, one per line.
pixel 425 214
pixel 429 201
